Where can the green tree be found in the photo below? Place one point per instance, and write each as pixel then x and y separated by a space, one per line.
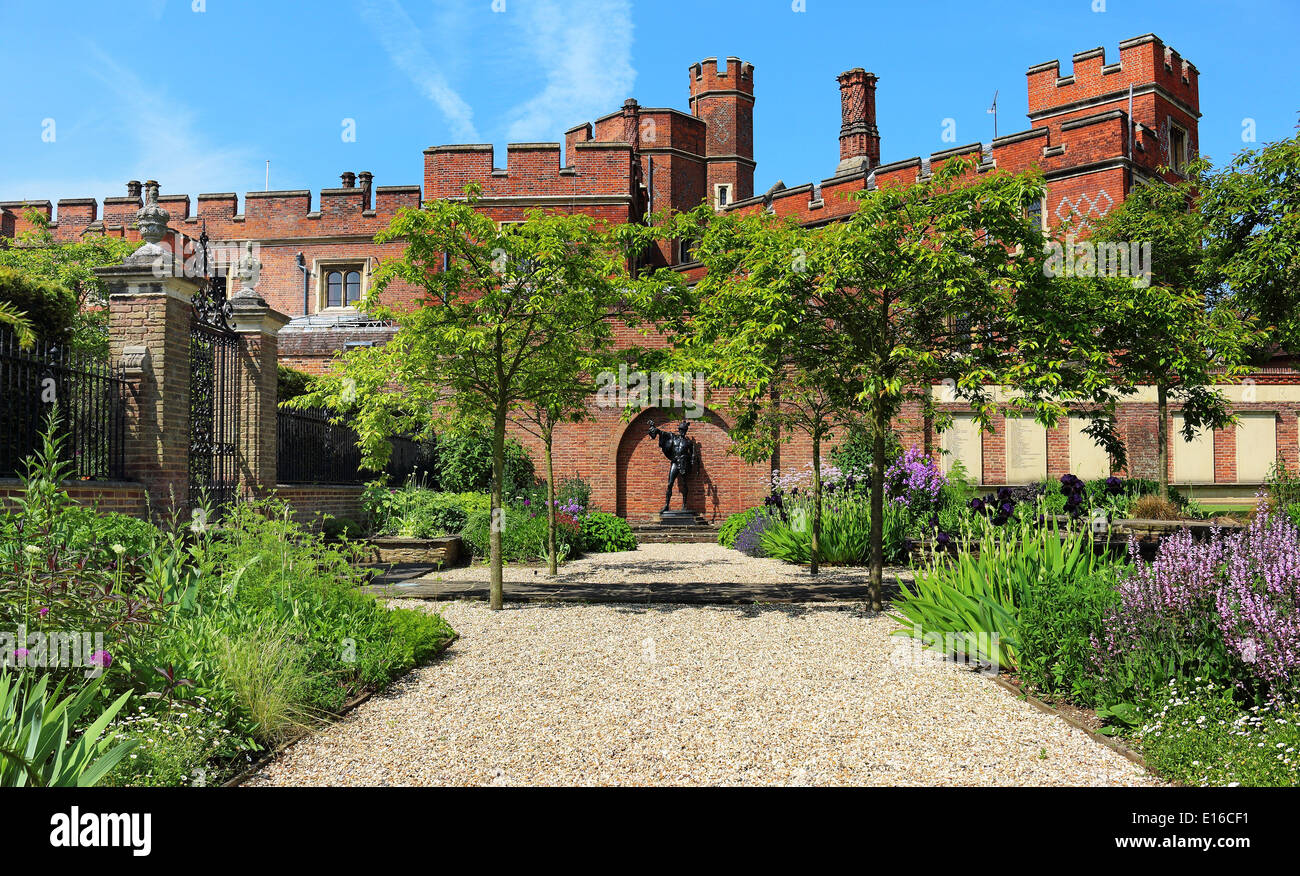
pixel 1166 329
pixel 37 255
pixel 879 306
pixel 751 325
pixel 480 345
pixel 1251 210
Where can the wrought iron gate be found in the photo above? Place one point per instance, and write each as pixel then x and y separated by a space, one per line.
pixel 214 396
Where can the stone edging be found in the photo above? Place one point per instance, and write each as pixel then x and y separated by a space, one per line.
pixel 258 765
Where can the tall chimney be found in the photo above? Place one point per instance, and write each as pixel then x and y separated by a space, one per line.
pixel 632 123
pixel 367 180
pixel 349 179
pixel 859 136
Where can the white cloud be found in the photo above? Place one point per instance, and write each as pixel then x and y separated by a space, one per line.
pixel 401 40
pixel 584 49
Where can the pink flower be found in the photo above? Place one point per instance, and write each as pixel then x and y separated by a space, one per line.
pixel 44 611
pixel 101 658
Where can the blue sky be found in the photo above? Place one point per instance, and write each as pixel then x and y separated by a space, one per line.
pixel 201 99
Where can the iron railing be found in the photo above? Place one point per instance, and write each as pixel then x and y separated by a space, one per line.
pixel 89 396
pixel 312 450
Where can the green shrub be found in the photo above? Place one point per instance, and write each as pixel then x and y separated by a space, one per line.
pixel 603 533
pixel 290 382
pixel 417 512
pixel 100 531
pixel 855 452
pixel 523 535
pixel 732 526
pixel 845 537
pixel 574 491
pixel 976 599
pixel 50 307
pixel 280 630
pixel 339 528
pixel 1199 735
pixel 1059 619
pixel 464 464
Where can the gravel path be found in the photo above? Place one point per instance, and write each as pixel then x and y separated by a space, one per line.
pixel 570 694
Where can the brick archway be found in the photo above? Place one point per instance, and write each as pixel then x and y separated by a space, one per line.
pixel 641 471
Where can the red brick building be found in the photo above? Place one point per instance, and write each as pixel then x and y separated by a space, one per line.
pixel 1095 133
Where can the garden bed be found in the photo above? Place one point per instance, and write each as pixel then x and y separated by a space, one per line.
pixel 440 552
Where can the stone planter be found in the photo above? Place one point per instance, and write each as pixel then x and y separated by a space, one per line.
pixel 442 551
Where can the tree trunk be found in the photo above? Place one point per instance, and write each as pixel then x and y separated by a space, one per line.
pixel 497 520
pixel 815 551
pixel 552 563
pixel 879 424
pixel 1162 439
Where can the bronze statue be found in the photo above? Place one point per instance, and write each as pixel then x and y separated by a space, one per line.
pixel 683 455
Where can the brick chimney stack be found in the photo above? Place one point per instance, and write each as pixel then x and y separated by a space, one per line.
pixel 349 179
pixel 367 181
pixel 859 136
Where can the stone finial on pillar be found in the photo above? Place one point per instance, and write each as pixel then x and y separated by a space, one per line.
pixel 248 270
pixel 152 221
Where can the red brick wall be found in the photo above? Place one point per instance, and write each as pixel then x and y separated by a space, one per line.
pixel 310 501
pixel 121 497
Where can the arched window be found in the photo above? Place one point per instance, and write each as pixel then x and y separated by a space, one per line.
pixel 334 282
pixel 342 287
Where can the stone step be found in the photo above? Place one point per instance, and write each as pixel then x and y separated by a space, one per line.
pixel 670 534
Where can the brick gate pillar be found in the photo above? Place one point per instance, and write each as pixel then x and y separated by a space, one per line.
pixel 258 325
pixel 149 332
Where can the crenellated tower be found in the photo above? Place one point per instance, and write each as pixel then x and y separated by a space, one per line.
pixel 724 101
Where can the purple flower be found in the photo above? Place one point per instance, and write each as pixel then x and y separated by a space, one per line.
pixel 20 653
pixel 1243 589
pixel 44 611
pixel 913 480
pixel 101 658
pixel 1114 485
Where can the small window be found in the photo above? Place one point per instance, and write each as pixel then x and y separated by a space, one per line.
pixel 685 251
pixel 1035 214
pixel 342 287
pixel 1177 148
pixel 722 195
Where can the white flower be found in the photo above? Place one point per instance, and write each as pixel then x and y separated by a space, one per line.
pixel 119 549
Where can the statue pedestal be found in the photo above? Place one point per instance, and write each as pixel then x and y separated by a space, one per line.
pixel 679 518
